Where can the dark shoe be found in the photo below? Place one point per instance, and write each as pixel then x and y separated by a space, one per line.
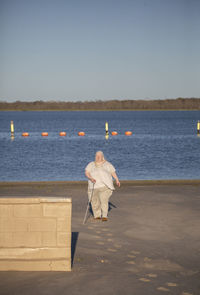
pixel 97 218
pixel 104 219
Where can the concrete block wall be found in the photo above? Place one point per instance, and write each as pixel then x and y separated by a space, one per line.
pixel 35 234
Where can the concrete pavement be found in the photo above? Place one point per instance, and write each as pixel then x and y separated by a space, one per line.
pixel 150 245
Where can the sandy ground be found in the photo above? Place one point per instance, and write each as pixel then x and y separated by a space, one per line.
pixel 150 245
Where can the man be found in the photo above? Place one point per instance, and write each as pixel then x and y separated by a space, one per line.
pixel 100 174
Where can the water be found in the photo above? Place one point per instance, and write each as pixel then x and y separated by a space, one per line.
pixel 164 145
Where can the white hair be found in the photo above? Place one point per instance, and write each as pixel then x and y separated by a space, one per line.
pixel 100 152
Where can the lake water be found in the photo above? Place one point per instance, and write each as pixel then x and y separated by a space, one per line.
pixel 164 144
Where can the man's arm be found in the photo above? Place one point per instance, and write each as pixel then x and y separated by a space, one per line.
pixel 114 175
pixel 88 175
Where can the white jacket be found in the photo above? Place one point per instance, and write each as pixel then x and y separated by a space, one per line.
pixel 102 174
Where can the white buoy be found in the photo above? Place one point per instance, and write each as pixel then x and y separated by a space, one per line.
pixel 198 127
pixel 12 128
pixel 106 128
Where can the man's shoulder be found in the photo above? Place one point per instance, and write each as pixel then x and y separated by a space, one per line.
pixel 107 163
pixel 110 166
pixel 89 165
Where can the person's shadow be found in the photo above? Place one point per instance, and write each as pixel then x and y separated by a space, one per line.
pixel 74 240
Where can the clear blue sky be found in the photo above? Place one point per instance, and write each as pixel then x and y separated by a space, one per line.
pixel 105 49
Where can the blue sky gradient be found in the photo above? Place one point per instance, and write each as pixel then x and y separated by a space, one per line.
pixel 105 49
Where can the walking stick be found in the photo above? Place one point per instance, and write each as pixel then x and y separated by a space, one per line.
pixel 88 205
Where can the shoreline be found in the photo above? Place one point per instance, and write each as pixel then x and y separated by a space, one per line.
pixel 123 182
pixel 68 188
pixel 98 110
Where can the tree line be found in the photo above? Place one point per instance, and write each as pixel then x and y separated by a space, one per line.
pixel 159 104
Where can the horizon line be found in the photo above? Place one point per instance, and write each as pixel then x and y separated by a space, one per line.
pixel 96 100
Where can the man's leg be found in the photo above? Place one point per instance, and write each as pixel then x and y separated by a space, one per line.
pixel 96 205
pixel 104 198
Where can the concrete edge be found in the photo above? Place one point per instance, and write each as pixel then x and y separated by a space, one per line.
pixel 34 200
pixel 84 183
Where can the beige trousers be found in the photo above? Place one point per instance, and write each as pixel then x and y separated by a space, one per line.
pixel 99 202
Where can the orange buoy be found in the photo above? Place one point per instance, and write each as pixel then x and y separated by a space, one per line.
pixel 114 133
pixel 25 134
pixel 62 133
pixel 128 133
pixel 81 133
pixel 44 133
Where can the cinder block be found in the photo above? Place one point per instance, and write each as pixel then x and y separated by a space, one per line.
pixel 6 210
pixel 27 239
pixel 57 210
pixel 37 265
pixel 35 253
pixel 28 210
pixel 35 234
pixel 61 265
pixel 6 239
pixel 64 224
pixel 6 224
pixel 42 224
pixel 49 239
pixel 63 239
pixel 13 224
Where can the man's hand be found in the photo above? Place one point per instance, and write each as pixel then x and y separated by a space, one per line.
pixel 93 180
pixel 117 183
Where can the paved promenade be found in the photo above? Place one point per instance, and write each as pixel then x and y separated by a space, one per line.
pixel 149 246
